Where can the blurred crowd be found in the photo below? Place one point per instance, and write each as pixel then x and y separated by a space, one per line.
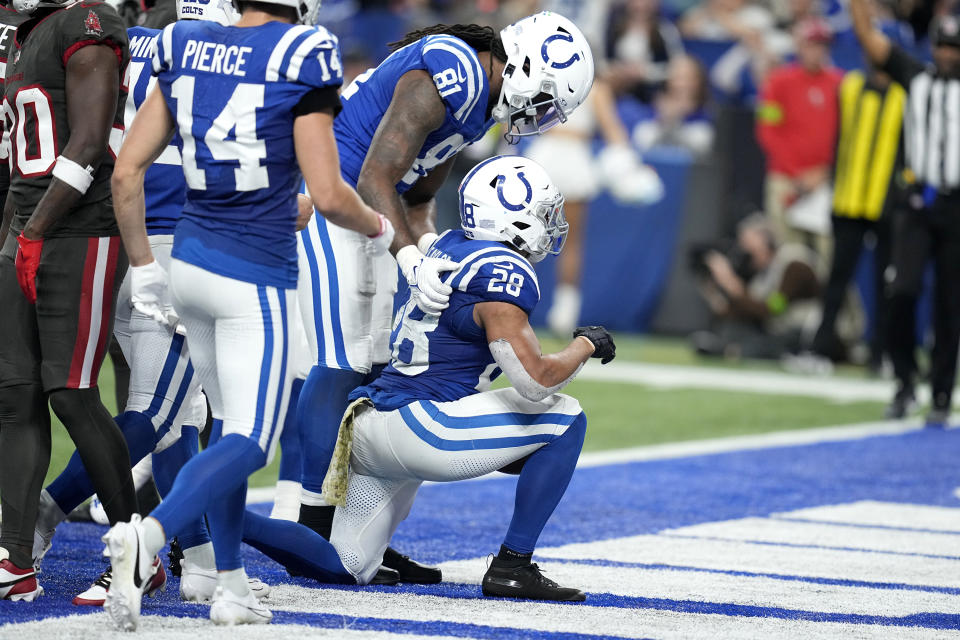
pixel 666 71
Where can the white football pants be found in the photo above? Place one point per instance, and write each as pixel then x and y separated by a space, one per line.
pixel 241 347
pixel 395 451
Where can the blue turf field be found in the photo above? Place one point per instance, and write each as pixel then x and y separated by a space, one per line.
pixel 466 521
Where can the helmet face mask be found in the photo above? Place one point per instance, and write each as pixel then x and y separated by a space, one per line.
pixel 548 73
pixel 511 199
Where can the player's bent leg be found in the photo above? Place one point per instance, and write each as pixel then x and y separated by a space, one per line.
pixel 302 551
pixel 542 483
pixel 363 527
pixel 319 412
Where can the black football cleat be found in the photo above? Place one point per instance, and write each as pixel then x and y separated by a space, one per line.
pixel 410 571
pixel 386 577
pixel 175 555
pixel 526 582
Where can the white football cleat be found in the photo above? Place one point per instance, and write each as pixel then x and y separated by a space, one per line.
pixel 96 595
pixel 231 609
pixel 16 583
pixel 132 567
pixel 199 585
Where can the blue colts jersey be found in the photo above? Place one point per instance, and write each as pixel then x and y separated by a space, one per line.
pixel 461 82
pixel 164 187
pixel 232 92
pixel 446 357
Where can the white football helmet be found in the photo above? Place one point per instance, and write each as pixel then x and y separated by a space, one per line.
pixel 27 7
pixel 512 199
pixel 548 74
pixel 308 11
pixel 220 11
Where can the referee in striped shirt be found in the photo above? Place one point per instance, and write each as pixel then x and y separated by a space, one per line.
pixel 930 227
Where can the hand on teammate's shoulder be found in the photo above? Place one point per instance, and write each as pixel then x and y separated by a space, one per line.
pixel 603 345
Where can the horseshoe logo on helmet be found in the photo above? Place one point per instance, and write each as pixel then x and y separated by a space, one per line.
pixel 566 37
pixel 508 205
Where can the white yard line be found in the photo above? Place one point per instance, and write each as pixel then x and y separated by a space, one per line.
pixel 667 376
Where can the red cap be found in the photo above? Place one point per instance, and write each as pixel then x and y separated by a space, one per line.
pixel 815 30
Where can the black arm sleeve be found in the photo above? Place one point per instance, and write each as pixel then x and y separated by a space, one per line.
pixel 318 100
pixel 902 67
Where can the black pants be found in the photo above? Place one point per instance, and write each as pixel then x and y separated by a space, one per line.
pixel 53 353
pixel 848 235
pixel 919 236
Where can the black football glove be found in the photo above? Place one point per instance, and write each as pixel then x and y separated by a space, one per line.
pixel 603 346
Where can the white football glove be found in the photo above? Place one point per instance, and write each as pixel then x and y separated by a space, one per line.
pixel 383 240
pixel 423 276
pixel 627 178
pixel 148 293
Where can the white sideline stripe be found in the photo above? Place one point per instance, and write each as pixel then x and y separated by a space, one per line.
pixel 97 626
pixel 645 622
pixel 760 558
pixel 558 618
pixel 667 376
pixel 703 586
pixel 882 514
pixel 827 535
pixel 709 446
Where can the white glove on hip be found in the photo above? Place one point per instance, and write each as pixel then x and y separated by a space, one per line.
pixel 148 293
pixel 383 240
pixel 423 276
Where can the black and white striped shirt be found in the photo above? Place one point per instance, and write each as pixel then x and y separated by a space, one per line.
pixel 931 121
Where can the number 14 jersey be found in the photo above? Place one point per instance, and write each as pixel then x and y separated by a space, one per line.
pixel 446 357
pixel 233 92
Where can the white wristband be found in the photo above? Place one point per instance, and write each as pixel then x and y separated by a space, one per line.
pixel 426 241
pixel 66 170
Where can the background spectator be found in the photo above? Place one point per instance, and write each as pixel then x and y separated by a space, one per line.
pixel 764 295
pixel 797 128
pixel 641 46
pixel 678 116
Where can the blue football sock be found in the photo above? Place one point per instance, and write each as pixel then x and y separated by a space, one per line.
pixel 73 485
pixel 226 526
pixel 296 547
pixel 323 400
pixel 290 456
pixel 541 485
pixel 217 473
pixel 166 466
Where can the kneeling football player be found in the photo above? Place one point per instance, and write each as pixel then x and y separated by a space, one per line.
pixel 429 415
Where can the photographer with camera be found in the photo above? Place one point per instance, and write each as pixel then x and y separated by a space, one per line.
pixel 764 295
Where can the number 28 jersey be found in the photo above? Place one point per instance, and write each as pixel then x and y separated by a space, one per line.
pixel 461 82
pixel 447 357
pixel 233 92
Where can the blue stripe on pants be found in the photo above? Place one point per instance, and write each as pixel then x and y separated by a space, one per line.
pixel 265 363
pixel 437 442
pixel 334 296
pixel 282 381
pixel 494 419
pixel 166 376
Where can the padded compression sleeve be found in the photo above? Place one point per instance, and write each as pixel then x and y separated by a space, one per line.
pixel 522 381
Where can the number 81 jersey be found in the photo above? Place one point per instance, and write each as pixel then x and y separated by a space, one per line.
pixel 446 357
pixel 234 92
pixel 35 111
